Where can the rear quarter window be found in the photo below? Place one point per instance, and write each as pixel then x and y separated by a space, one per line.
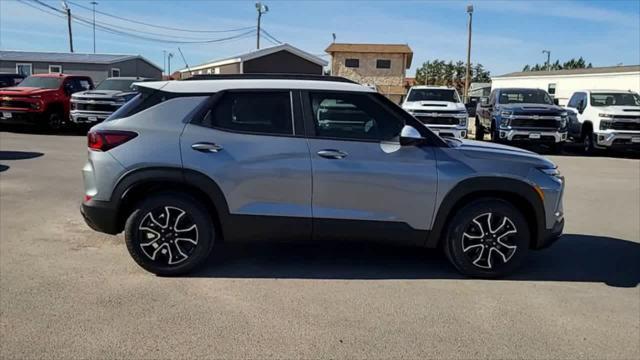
pixel 147 98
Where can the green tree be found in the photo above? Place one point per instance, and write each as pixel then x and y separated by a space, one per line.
pixel 572 63
pixel 442 73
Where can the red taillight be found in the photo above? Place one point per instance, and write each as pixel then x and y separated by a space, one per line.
pixel 103 140
pixel 87 198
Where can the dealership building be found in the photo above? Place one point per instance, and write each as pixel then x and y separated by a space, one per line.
pixel 97 66
pixel 562 83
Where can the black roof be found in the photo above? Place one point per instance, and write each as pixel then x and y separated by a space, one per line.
pixel 270 76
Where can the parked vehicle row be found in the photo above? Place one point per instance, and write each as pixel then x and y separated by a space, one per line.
pixel 186 164
pixel 51 100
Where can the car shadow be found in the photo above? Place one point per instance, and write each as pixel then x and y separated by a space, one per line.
pixel 574 258
pixel 3 168
pixel 19 155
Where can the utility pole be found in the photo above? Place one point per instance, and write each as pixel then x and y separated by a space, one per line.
pixel 169 63
pixel 548 59
pixel 94 3
pixel 68 10
pixel 468 72
pixel 164 62
pixel 262 9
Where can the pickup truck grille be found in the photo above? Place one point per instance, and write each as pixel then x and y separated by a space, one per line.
pixel 627 117
pixel 436 117
pixel 14 104
pixel 95 107
pixel 535 123
pixel 620 125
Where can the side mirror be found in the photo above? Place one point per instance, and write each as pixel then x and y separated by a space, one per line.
pixel 67 89
pixel 556 101
pixel 410 136
pixel 581 106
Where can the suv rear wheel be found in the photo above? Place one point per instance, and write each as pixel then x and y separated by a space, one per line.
pixel 487 238
pixel 169 234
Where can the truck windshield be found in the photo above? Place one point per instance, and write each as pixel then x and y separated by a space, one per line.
pixel 448 95
pixel 524 96
pixel 41 82
pixel 116 84
pixel 615 99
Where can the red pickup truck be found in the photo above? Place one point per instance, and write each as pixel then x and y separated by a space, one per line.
pixel 41 100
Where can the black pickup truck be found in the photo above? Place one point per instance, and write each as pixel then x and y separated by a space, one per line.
pixel 521 115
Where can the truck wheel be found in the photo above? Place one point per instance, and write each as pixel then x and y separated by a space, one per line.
pixel 587 143
pixel 54 121
pixel 487 238
pixel 169 234
pixel 479 134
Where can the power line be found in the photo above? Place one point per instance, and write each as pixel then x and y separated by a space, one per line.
pixel 274 40
pixel 114 30
pixel 163 27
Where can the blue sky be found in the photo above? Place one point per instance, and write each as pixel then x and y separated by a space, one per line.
pixel 507 34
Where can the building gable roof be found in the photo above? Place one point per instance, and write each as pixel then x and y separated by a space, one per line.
pixel 372 48
pixel 594 70
pixel 257 54
pixel 58 57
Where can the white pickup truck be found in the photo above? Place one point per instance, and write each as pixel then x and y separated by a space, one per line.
pixel 438 107
pixel 605 119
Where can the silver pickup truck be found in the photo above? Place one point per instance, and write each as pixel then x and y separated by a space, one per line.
pixel 93 106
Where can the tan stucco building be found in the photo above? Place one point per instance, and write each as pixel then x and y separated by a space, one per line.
pixel 383 66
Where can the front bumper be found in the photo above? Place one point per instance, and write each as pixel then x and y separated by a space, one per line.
pixel 617 139
pixel 101 216
pixel 551 235
pixel 533 135
pixel 20 117
pixel 88 117
pixel 449 131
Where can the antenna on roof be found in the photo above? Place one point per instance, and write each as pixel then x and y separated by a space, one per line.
pixel 185 61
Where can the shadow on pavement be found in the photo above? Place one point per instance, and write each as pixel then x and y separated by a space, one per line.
pixel 3 168
pixel 574 258
pixel 19 155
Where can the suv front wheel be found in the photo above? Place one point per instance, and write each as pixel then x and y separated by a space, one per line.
pixel 487 238
pixel 169 234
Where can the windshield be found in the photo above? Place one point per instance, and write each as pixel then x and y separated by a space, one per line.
pixel 615 99
pixel 433 95
pixel 524 96
pixel 41 82
pixel 113 84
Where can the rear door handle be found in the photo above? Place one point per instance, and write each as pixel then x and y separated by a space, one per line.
pixel 332 154
pixel 206 147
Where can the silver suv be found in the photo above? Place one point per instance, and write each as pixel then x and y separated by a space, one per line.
pixel 186 164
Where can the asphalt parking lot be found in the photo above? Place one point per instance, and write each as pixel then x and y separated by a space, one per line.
pixel 69 292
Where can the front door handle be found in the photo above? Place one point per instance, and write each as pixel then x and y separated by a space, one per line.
pixel 206 147
pixel 332 154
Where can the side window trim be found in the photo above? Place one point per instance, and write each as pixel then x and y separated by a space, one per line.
pixel 214 101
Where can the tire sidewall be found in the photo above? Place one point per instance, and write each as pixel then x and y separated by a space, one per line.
pixel 458 224
pixel 199 215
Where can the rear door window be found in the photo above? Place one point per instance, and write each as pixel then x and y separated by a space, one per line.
pixel 259 112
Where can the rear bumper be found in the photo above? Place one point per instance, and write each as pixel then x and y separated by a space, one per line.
pixel 540 136
pixel 101 216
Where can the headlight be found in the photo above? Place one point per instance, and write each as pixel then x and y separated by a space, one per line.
pixel 461 115
pixel 505 122
pixel 564 114
pixel 35 105
pixel 463 121
pixel 551 172
pixel 563 123
pixel 606 115
pixel 605 124
pixel 120 100
pixel 506 113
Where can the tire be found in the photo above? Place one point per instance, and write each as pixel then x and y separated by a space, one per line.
pixel 479 133
pixel 469 254
pixel 495 135
pixel 587 143
pixel 557 148
pixel 54 121
pixel 179 251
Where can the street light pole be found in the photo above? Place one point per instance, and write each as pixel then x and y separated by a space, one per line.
pixel 548 59
pixel 94 3
pixel 261 10
pixel 468 72
pixel 68 11
pixel 169 63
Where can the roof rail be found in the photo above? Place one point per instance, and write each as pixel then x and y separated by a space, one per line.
pixel 274 76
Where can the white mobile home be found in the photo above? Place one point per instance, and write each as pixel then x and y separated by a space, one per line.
pixel 562 83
